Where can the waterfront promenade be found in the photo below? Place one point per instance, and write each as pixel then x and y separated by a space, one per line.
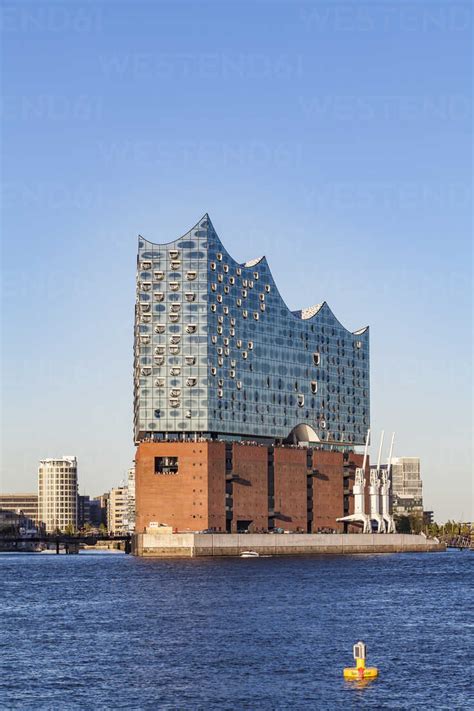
pixel 196 545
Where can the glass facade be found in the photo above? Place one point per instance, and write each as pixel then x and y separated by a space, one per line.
pixel 218 353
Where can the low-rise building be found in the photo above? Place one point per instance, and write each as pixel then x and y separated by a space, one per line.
pixel 407 488
pixel 131 499
pixel 21 503
pixel 117 511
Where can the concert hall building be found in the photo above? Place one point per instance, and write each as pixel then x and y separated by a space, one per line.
pixel 246 414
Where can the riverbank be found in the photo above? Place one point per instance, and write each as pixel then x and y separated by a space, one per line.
pixel 195 545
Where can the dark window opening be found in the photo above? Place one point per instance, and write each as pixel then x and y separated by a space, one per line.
pixel 166 465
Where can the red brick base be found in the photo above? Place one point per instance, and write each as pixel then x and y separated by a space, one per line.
pixel 229 490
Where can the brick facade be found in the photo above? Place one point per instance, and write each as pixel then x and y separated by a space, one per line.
pixel 225 486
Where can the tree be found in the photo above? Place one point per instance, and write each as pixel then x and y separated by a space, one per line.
pixel 69 530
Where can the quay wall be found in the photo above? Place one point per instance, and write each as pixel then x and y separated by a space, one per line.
pixel 195 545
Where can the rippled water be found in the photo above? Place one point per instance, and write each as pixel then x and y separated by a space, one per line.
pixel 109 631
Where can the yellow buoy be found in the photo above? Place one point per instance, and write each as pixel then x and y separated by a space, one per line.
pixel 360 671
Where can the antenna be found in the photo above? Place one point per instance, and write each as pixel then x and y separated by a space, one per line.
pixel 389 464
pixel 380 450
pixel 365 450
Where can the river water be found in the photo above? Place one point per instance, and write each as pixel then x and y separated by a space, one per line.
pixel 109 631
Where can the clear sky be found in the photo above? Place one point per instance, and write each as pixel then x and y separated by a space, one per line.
pixel 333 137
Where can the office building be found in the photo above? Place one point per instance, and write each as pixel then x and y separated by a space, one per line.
pixel 27 504
pixel 241 406
pixel 117 510
pixel 407 488
pixel 57 493
pixel 131 499
pixel 83 511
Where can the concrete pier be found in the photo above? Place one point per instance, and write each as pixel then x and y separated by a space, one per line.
pixel 195 545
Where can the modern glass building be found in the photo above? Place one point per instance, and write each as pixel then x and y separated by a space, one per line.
pixel 218 354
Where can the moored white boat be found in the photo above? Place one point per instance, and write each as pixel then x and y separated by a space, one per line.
pixel 249 554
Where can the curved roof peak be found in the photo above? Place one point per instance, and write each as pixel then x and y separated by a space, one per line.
pixel 253 262
pixel 305 314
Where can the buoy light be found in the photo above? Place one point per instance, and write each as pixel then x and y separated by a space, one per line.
pixel 360 671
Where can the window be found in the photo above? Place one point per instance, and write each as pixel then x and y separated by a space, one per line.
pixel 232 280
pixel 190 296
pixel 238 271
pixel 316 358
pixel 314 386
pixel 213 308
pixel 166 465
pixel 146 266
pixel 174 285
pixel 301 400
pixel 245 313
pixel 159 328
pixel 219 257
pixel 267 288
pixel 175 265
pixel 213 287
pixel 213 266
pixel 255 316
pixel 225 268
pixel 158 296
pixel 191 275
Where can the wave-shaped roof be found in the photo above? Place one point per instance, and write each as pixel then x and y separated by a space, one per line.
pixel 306 314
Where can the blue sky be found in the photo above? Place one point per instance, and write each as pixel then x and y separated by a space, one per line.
pixel 333 137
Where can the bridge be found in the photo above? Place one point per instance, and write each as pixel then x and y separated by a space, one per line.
pixel 460 542
pixel 70 543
